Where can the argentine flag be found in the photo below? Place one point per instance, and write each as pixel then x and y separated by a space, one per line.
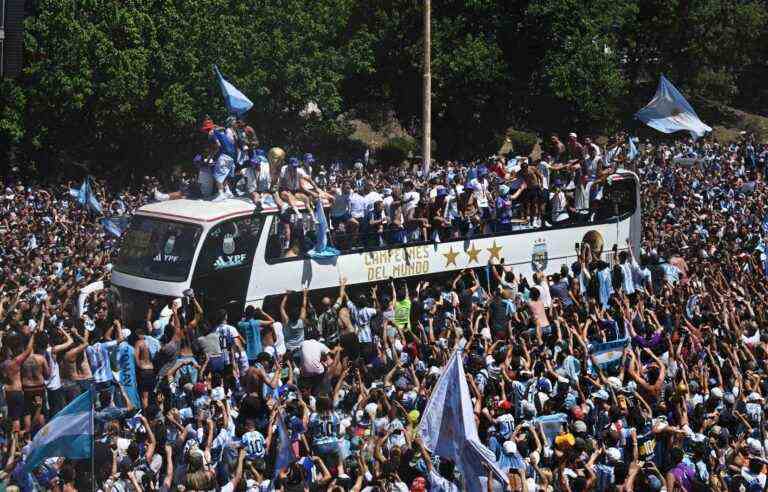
pixel 237 102
pixel 68 434
pixel 670 112
pixel 448 428
pixel 608 355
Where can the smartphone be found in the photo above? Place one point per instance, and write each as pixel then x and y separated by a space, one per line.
pixel 578 246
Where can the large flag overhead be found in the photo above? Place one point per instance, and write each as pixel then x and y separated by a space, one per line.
pixel 237 103
pixel 448 427
pixel 69 434
pixel 85 196
pixel 669 112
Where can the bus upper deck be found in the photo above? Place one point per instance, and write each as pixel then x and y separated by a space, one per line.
pixel 232 255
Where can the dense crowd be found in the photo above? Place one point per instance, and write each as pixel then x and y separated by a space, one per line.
pixel 346 377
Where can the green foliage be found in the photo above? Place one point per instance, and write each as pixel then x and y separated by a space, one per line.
pixel 123 84
pixel 396 150
pixel 522 142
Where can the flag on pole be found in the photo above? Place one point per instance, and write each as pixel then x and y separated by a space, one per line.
pixel 669 112
pixel 284 452
pixel 321 249
pixel 237 103
pixel 85 196
pixel 448 427
pixel 69 434
pixel 632 153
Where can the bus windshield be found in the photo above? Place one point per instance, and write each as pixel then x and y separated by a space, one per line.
pixel 158 249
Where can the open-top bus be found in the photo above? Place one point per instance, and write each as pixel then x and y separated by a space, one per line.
pixel 230 255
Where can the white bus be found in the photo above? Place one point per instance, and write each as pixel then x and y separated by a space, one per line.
pixel 230 255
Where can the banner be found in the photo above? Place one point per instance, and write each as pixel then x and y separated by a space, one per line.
pixel 127 369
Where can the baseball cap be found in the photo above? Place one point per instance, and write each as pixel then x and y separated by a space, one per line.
pixel 579 427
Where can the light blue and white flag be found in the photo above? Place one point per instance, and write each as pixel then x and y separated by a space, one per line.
pixel 321 249
pixel 69 434
pixel 115 225
pixel 448 427
pixel 608 355
pixel 551 425
pixel 237 103
pixel 632 153
pixel 284 452
pixel 669 112
pixel 85 196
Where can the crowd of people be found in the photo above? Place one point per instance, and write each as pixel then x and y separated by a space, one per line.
pixel 372 206
pixel 327 394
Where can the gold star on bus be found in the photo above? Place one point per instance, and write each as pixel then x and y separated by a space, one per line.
pixel 450 257
pixel 495 251
pixel 473 252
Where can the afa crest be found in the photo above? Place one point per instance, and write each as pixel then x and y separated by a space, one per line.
pixel 539 256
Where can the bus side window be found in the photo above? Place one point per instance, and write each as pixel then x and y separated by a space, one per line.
pixel 620 198
pixel 230 244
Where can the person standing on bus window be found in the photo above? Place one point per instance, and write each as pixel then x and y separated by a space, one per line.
pixel 294 317
pixel 556 149
pixel 558 203
pixel 224 141
pixel 250 326
pixel 503 211
pixel 376 223
pixel 416 226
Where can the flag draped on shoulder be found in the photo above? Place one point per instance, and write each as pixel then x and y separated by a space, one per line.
pixel 69 434
pixel 237 103
pixel 322 249
pixel 669 112
pixel 85 197
pixel 448 427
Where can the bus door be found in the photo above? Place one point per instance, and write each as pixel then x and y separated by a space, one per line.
pixel 224 265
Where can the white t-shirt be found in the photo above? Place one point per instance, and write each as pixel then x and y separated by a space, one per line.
pixel 295 183
pixel 546 298
pixel 311 352
pixel 410 200
pixel 370 199
pixel 279 338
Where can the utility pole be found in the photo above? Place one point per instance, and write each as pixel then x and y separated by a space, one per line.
pixel 426 146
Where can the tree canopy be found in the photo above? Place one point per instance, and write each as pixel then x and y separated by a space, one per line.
pixel 124 84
